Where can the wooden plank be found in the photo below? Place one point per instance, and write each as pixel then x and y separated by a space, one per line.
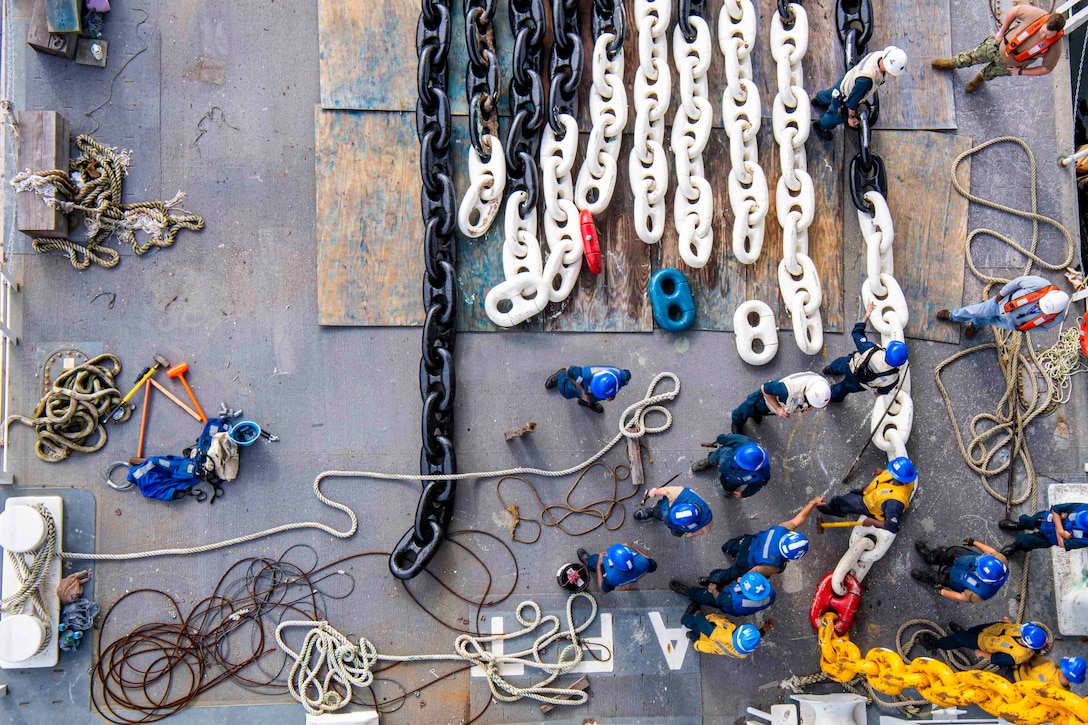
pixel 930 224
pixel 38 37
pixel 921 98
pixel 63 16
pixel 369 232
pixel 42 146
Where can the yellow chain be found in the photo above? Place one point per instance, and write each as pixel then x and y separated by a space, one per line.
pixel 1021 703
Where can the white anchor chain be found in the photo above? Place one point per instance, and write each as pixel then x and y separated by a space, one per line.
pixel 741 118
pixel 560 214
pixel 693 207
pixel 486 184
pixel 795 199
pixel 522 293
pixel 608 112
pixel 652 94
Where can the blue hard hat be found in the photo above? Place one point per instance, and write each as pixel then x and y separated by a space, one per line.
pixel 793 546
pixel 746 638
pixel 896 353
pixel 755 586
pixel 1073 669
pixel 1033 635
pixel 604 384
pixel 992 570
pixel 903 470
pixel 751 456
pixel 620 557
pixel 685 515
pixel 1080 518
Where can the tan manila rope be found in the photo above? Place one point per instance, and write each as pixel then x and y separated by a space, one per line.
pixel 72 415
pixel 32 576
pixel 96 193
pixel 632 424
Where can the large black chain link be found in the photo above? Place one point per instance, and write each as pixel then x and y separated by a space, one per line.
pixel 689 8
pixel 564 64
pixel 526 101
pixel 608 17
pixel 437 383
pixel 854 22
pixel 482 74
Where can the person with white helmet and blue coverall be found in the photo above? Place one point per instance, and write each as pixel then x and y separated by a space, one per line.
pixel 872 367
pixel 589 385
pixel 714 634
pixel 857 85
pixel 1069 671
pixel 1004 643
pixel 1026 303
pixel 619 567
pixel 783 397
pixel 883 501
pixel 766 552
pixel 744 466
pixel 1064 525
pixel 969 575
pixel 682 510
pixel 750 594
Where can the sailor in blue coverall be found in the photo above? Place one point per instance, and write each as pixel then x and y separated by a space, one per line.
pixel 744 466
pixel 870 368
pixel 589 385
pixel 1043 528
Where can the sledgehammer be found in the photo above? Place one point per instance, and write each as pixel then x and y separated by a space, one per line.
pixel 178 371
pixel 821 524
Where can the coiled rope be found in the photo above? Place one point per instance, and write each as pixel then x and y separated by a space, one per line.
pixel 1061 362
pixel 633 423
pixel 72 416
pixel 328 665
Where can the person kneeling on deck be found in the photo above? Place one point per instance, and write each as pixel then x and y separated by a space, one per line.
pixel 682 510
pixel 856 86
pixel 1064 525
pixel 1026 303
pixel 766 552
pixel 1030 45
pixel 883 501
pixel 872 367
pixel 750 594
pixel 619 567
pixel 743 465
pixel 716 635
pixel 1004 643
pixel 1042 669
pixel 589 385
pixel 788 395
pixel 963 575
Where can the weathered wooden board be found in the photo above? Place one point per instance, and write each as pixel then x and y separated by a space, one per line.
pixel 63 16
pixel 922 97
pixel 369 233
pixel 930 224
pixel 42 146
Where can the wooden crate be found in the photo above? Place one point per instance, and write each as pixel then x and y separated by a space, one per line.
pixel 43 145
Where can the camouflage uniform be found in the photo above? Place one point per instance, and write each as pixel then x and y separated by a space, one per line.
pixel 989 52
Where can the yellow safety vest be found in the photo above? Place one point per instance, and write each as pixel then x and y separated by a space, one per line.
pixel 720 641
pixel 999 639
pixel 1038 669
pixel 885 488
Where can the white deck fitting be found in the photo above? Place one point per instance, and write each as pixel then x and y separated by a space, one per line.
pixel 1070 569
pixel 47 657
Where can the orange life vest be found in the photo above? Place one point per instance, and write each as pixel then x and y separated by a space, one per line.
pixel 1030 298
pixel 1042 46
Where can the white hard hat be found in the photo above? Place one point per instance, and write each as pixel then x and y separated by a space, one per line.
pixel 895 60
pixel 818 392
pixel 1054 302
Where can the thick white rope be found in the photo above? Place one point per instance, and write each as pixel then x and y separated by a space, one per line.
pixel 329 666
pixel 632 424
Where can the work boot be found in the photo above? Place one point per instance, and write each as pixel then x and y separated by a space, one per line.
pixel 821 133
pixel 928 640
pixel 943 63
pixel 700 465
pixel 736 427
pixel 944 315
pixel 583 556
pixel 975 83
pixel 704 581
pixel 1009 525
pixel 679 587
pixel 1007 551
pixel 596 407
pixel 970 330
pixel 827 371
pixel 692 609
pixel 643 515
pixel 922 576
pixel 926 552
pixel 955 627
pixel 757 419
pixel 814 103
pixel 552 380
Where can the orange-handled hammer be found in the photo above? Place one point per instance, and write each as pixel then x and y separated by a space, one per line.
pixel 178 371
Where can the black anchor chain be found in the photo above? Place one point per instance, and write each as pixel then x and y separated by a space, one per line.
pixel 526 101
pixel 565 63
pixel 482 74
pixel 689 8
pixel 854 22
pixel 437 383
pixel 608 17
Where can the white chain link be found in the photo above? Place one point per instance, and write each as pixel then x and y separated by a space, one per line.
pixel 648 166
pixel 486 185
pixel 523 293
pixel 741 119
pixel 795 199
pixel 608 112
pixel 693 206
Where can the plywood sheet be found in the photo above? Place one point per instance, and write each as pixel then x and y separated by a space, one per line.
pixel 930 224
pixel 369 232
